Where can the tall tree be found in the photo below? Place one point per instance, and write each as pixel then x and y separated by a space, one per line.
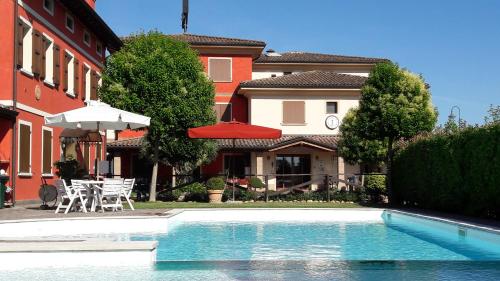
pixel 163 78
pixel 356 149
pixel 395 104
pixel 493 115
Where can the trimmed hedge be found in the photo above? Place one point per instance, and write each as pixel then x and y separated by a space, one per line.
pixel 456 173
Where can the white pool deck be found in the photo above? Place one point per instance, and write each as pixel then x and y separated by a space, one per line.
pixel 65 242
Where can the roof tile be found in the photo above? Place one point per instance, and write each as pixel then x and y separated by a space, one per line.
pixel 308 79
pixel 303 57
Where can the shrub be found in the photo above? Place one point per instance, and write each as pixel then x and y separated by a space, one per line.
pixel 375 186
pixel 255 182
pixel 215 183
pixel 455 172
pixel 239 195
pixel 69 169
pixel 193 192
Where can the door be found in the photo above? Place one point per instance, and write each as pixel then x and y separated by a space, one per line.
pixel 292 169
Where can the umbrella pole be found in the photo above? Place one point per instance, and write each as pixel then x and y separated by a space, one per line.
pixel 98 160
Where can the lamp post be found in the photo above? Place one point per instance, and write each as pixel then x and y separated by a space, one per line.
pixel 452 116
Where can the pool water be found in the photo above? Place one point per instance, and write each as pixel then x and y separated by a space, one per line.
pixel 308 241
pixel 384 246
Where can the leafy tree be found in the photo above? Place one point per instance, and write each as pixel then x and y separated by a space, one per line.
pixel 451 126
pixel 493 115
pixel 395 104
pixel 356 149
pixel 162 78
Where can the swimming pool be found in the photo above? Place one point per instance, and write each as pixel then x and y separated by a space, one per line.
pixel 305 244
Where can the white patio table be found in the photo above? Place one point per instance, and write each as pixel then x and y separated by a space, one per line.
pixel 93 187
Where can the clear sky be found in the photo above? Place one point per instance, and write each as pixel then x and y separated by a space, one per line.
pixel 454 44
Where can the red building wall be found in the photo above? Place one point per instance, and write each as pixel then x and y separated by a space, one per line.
pixel 52 99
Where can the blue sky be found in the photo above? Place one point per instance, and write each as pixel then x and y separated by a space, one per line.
pixel 454 44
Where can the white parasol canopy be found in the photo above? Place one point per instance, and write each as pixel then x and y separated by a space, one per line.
pixel 98 116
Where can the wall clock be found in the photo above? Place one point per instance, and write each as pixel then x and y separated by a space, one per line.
pixel 332 122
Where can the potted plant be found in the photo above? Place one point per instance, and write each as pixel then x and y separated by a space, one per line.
pixel 215 188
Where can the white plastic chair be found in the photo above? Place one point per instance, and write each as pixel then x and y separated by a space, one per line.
pixel 111 191
pixel 66 194
pixel 126 191
pixel 80 192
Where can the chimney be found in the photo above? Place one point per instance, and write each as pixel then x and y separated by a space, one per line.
pixel 272 53
pixel 91 3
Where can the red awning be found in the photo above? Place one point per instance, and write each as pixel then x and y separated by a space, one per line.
pixel 234 130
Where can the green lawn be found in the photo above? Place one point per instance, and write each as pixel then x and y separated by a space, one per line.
pixel 185 205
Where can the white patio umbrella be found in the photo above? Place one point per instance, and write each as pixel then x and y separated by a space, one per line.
pixel 97 116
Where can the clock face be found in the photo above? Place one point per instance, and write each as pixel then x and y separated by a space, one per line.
pixel 332 122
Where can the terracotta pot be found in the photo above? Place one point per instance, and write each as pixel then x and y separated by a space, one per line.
pixel 215 196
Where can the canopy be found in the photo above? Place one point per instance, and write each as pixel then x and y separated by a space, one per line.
pixel 97 116
pixel 233 130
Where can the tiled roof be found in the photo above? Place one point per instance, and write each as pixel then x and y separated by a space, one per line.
pixel 203 40
pixel 308 79
pixel 326 141
pixel 125 143
pixel 303 57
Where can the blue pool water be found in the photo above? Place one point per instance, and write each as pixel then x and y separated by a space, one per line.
pixel 397 247
pixel 399 238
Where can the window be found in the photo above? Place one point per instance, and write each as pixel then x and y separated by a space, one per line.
pixel 70 23
pixel 331 107
pixel 287 165
pixel 98 48
pixel 48 5
pixel 46 151
pixel 224 112
pixel 71 74
pixel 24 146
pixel 48 60
pixel 294 112
pixel 219 69
pixel 24 45
pixel 86 38
pixel 287 73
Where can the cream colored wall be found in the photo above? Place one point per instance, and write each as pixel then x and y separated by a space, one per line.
pixel 265 74
pixel 268 111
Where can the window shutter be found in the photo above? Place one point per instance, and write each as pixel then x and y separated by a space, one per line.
pixel 47 152
pixel 24 148
pixel 43 65
pixel 84 82
pixel 76 69
pixel 37 52
pixel 65 71
pixel 220 70
pixel 20 38
pixel 86 156
pixel 294 112
pixel 93 85
pixel 57 65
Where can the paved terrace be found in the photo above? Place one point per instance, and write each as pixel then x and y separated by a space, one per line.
pixel 20 212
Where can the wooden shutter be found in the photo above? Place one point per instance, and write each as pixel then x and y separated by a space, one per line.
pixel 76 70
pixel 294 112
pixel 220 69
pixel 24 148
pixel 37 52
pixel 65 81
pixel 20 38
pixel 84 82
pixel 47 152
pixel 45 46
pixel 93 85
pixel 57 65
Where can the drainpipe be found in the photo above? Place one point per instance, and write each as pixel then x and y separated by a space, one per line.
pixel 14 107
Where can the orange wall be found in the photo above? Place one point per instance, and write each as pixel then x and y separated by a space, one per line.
pixel 52 100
